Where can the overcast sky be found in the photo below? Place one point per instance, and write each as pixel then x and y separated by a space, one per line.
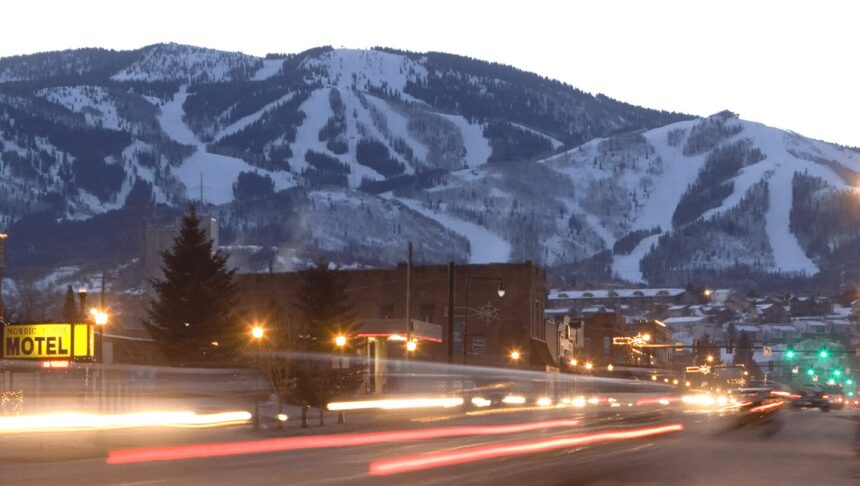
pixel 788 64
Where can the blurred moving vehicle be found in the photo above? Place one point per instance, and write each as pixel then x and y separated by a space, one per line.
pixel 811 399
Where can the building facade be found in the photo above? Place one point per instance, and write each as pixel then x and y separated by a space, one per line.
pixel 487 329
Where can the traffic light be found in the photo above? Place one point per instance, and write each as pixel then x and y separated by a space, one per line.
pixel 837 373
pixel 849 381
pixel 823 354
pixel 810 372
pixel 789 353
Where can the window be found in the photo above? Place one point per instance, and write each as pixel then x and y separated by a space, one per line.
pixel 479 344
pixel 607 345
pixel 386 311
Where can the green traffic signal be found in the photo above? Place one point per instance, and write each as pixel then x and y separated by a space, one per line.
pixel 823 353
pixel 849 381
pixel 837 373
pixel 810 372
pixel 789 354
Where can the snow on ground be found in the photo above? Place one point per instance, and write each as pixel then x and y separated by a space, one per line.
pixel 678 173
pixel 398 125
pixel 478 148
pixel 367 68
pixel 269 69
pixel 555 142
pixel 182 62
pixel 53 279
pixel 317 111
pixel 94 102
pixel 627 267
pixel 218 172
pixel 247 120
pixel 171 120
pixel 778 168
pixel 484 245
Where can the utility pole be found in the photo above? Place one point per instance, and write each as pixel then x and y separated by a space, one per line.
pixel 409 292
pixel 449 338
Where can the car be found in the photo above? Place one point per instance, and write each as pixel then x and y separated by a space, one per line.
pixel 811 399
pixel 837 400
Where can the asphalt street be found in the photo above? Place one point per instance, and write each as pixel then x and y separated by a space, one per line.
pixel 806 447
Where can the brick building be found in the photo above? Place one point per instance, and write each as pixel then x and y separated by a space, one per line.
pixel 493 326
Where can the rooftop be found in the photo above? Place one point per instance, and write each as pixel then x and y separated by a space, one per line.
pixel 556 294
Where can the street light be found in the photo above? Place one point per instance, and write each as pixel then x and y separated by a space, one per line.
pixel 99 316
pixel 710 358
pixel 574 362
pixel 340 341
pixel 588 365
pixel 515 355
pixel 610 367
pixel 501 290
pixel 411 345
pixel 646 337
pixel 257 333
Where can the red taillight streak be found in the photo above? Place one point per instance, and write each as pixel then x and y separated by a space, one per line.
pixel 765 408
pixel 217 449
pixel 397 465
pixel 653 400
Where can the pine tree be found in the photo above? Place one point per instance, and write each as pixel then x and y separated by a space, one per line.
pixel 70 306
pixel 195 303
pixel 324 307
pixel 326 312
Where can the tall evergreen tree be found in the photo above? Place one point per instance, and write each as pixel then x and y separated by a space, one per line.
pixel 326 312
pixel 194 305
pixel 324 307
pixel 70 306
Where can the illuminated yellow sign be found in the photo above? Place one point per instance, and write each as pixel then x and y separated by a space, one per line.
pixel 47 341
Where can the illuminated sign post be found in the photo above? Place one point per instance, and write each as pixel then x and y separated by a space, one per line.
pixel 47 341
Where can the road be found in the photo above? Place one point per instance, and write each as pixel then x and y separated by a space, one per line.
pixel 810 447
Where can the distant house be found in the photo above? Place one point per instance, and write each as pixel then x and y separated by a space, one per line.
pixel 779 331
pixel 628 301
pixel 677 324
pixel 771 312
pixel 810 306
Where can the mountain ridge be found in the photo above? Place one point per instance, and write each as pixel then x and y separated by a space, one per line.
pixel 511 164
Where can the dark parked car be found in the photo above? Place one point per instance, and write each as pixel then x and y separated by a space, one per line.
pixel 811 399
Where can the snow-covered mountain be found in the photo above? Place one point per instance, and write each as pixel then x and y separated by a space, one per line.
pixel 352 152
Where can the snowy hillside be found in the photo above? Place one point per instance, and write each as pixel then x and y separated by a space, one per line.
pixel 349 153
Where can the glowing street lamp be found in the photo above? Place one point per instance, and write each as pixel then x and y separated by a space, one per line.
pixel 99 316
pixel 710 358
pixel 501 290
pixel 257 332
pixel 515 355
pixel 411 345
pixel 610 367
pixel 574 362
pixel 340 341
pixel 588 365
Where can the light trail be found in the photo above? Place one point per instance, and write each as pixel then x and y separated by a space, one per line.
pixel 396 404
pixel 70 421
pixel 402 464
pixel 218 449
pixel 766 407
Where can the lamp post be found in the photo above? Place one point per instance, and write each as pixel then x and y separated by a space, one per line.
pixel 340 344
pixel 515 357
pixel 257 333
